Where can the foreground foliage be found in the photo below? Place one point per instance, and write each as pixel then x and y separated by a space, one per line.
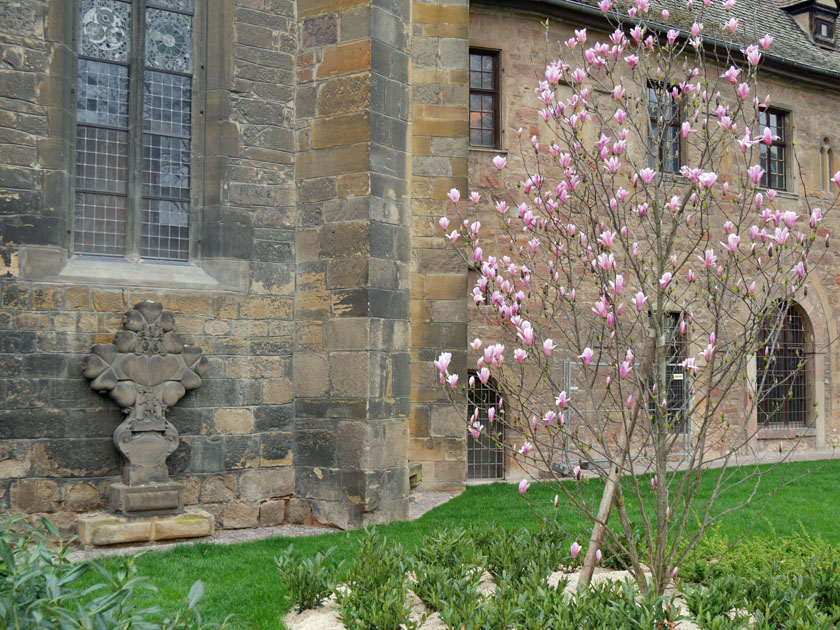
pixel 39 588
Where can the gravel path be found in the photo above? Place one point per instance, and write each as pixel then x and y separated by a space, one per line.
pixel 422 503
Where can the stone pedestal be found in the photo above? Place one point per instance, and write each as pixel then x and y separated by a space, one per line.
pixel 102 529
pixel 148 500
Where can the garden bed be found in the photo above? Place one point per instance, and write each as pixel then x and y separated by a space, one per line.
pixel 327 616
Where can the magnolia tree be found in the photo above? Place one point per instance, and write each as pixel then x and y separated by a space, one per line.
pixel 644 238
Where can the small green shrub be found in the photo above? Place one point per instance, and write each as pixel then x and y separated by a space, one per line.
pixel 375 595
pixel 308 581
pixel 38 588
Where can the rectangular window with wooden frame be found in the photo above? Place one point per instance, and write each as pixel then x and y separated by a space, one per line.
pixel 134 99
pixel 774 157
pixel 663 129
pixel 484 98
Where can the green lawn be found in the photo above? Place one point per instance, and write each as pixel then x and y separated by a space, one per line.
pixel 242 579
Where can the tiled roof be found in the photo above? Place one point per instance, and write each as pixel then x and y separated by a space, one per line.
pixel 791 46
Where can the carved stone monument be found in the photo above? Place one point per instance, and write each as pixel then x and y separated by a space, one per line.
pixel 145 371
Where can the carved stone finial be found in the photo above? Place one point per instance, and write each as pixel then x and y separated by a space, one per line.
pixel 145 371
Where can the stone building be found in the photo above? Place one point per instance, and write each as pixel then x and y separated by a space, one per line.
pixel 271 171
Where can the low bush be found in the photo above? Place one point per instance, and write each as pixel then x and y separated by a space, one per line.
pixel 308 581
pixel 39 588
pixel 375 595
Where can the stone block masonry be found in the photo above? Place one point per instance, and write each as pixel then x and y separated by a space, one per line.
pixel 324 143
pixel 440 151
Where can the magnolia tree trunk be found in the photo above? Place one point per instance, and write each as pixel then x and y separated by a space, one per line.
pixel 638 247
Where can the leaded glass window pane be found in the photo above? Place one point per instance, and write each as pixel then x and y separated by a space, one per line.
pixel 169 41
pixel 167 104
pixel 99 226
pixel 159 201
pixel 105 29
pixel 102 94
pixel 165 230
pixel 178 5
pixel 166 167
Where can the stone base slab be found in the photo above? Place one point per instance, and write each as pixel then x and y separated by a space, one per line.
pixel 149 499
pixel 102 529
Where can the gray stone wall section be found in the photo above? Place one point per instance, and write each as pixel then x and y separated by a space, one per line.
pixel 351 361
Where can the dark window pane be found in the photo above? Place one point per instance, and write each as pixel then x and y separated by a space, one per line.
pixel 475 62
pixel 487 63
pixel 487 138
pixel 165 230
pixel 487 80
pixel 167 104
pixel 99 225
pixel 475 102
pixel 101 160
pixel 102 93
pixel 104 29
pixel 475 137
pixel 169 43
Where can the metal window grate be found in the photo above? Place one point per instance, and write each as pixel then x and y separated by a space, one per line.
pixel 782 376
pixel 675 377
pixel 485 455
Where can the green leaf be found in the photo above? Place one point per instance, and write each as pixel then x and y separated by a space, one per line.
pixel 196 594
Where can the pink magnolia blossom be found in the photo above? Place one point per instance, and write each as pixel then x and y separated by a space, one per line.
pixel 453 380
pixel 743 91
pixel 586 356
pixel 766 41
pixel 674 573
pixel 632 60
pixel 800 269
pixel 672 36
pixel 519 354
pixel 732 243
pixel 707 353
pixel 475 429
pixel 731 75
pixel 624 370
pixel 527 447
pixel 577 472
pixel 731 25
pixel 549 417
pixel 443 222
pixel 691 275
pixel 499 162
pixel 755 173
pixel 442 362
pixel 665 280
pixel 629 401
pixel 575 549
pixel 647 175
pixel 598 554
pixel 523 486
pixel 454 195
pixel 548 346
pixel 453 236
pixel 561 400
pixel 640 299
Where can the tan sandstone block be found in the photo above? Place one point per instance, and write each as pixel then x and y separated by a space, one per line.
pixel 234 420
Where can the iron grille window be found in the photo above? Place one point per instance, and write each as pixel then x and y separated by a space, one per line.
pixel 675 377
pixel 774 157
pixel 484 98
pixel 133 128
pixel 485 455
pixel 663 129
pixel 782 376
